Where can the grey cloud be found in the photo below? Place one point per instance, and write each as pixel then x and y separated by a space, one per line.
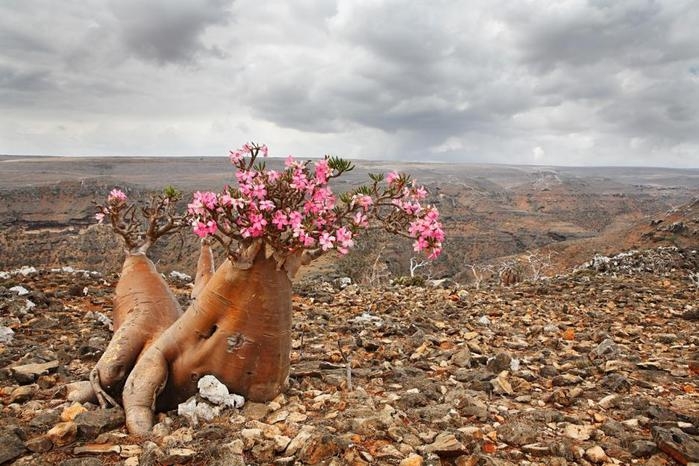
pixel 399 71
pixel 632 33
pixel 169 32
pixel 666 111
pixel 19 42
pixel 12 79
pixel 580 82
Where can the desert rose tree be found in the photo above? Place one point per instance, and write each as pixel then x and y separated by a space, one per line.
pixel 271 223
pixel 144 306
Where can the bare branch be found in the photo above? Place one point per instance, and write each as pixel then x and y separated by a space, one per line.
pixel 414 265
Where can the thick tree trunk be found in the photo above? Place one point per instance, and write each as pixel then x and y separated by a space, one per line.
pixel 144 307
pixel 238 329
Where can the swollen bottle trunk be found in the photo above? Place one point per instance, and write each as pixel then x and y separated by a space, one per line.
pixel 238 329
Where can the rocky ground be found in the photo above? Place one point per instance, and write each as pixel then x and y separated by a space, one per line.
pixel 599 366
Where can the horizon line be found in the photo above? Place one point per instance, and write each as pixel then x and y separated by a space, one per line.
pixel 426 162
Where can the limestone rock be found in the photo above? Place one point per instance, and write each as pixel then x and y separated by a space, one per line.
pixel 63 433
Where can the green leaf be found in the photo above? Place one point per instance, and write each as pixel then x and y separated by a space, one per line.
pixel 171 192
pixel 340 164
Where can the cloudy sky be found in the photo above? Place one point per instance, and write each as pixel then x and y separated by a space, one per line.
pixel 567 82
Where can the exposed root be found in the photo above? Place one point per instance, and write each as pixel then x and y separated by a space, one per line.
pixel 141 391
pixel 105 400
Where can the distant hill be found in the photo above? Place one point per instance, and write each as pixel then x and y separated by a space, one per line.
pixel 492 213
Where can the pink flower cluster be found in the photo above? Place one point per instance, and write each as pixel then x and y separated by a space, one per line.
pixel 295 208
pixel 116 199
pixel 428 233
pixel 116 196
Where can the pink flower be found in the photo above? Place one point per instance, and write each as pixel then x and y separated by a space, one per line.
pixel 236 156
pixel 291 162
pixel 225 200
pixel 264 150
pixel 299 181
pixel 410 208
pixel 273 176
pixel 321 201
pixel 344 239
pixel 295 219
pixel 322 171
pixel 267 205
pixel 392 177
pixel 419 193
pixel 420 244
pixel 280 219
pixel 362 200
pixel 428 233
pixel 436 251
pixel 245 177
pixel 201 202
pixel 202 229
pixel 238 203
pixel 116 196
pixel 326 241
pixel 258 190
pixel 304 238
pixel 360 220
pixel 257 225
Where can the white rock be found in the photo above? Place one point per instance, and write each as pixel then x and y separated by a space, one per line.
pixel 180 276
pixel 194 411
pixel 20 290
pixel 29 306
pixel 6 335
pixel 514 365
pixel 367 317
pixel 26 270
pixel 216 392
pixel 343 282
pixel 484 320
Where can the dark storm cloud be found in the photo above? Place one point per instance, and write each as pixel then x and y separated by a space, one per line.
pixel 168 31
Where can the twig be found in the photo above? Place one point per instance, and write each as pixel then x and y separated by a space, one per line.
pixel 348 366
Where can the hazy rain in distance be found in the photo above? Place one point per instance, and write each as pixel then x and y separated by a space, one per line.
pixel 565 82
